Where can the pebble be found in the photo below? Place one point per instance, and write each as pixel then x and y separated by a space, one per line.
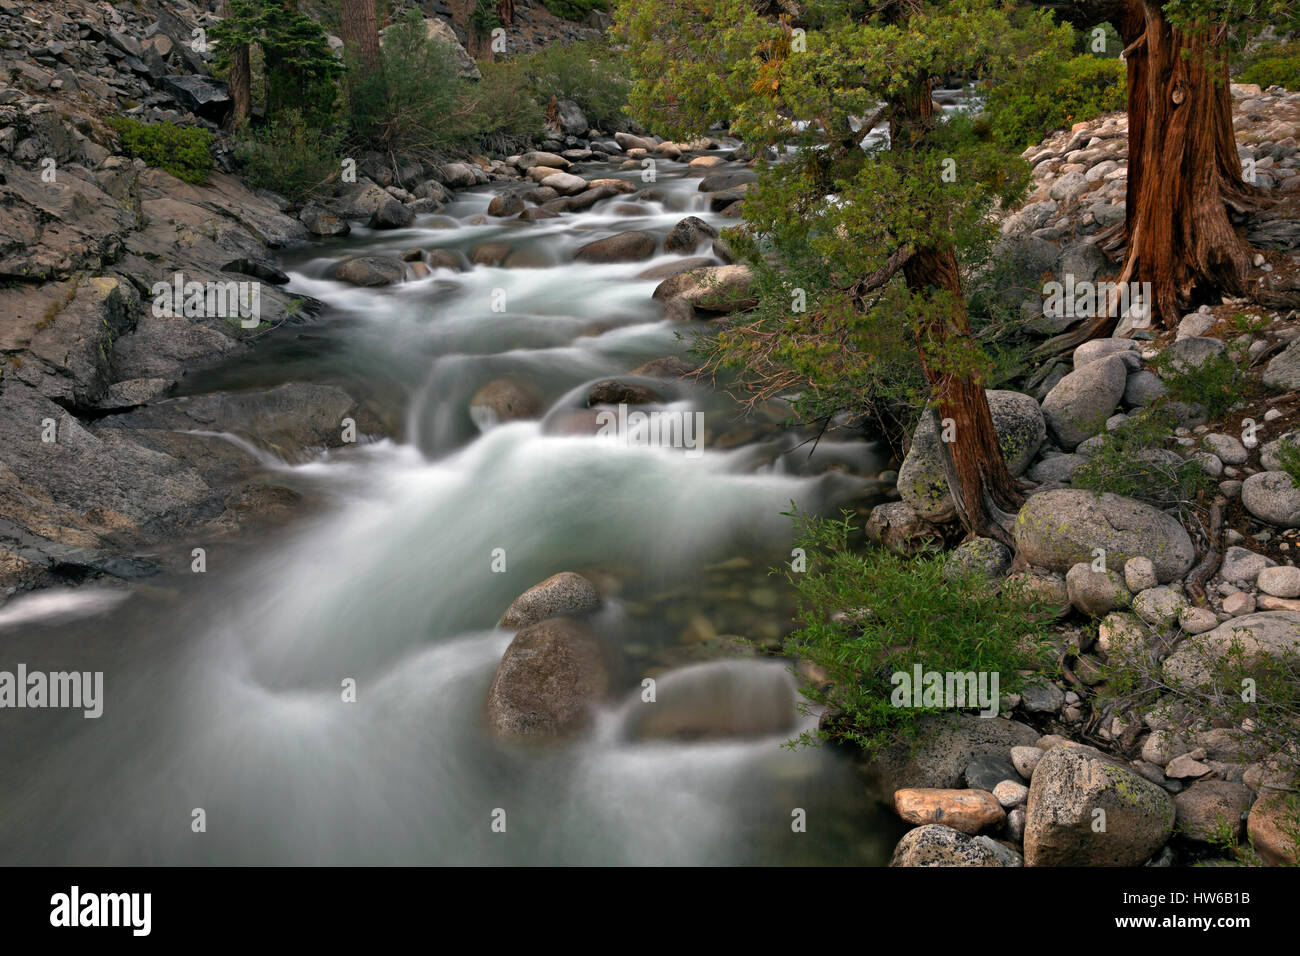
pixel 1025 759
pixel 1010 794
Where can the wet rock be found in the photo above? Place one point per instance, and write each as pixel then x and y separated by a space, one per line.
pixel 1058 529
pixel 489 253
pixel 713 288
pixel 565 594
pixel 504 400
pixel 566 184
pixel 613 392
pixel 624 247
pixel 546 685
pixel 1069 786
pixel 506 204
pixel 370 271
pixel 669 269
pixel 718 700
pixel 969 811
pixel 391 214
pixel 321 222
pixel 689 234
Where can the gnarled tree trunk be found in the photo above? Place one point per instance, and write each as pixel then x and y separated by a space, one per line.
pixel 982 488
pixel 1183 172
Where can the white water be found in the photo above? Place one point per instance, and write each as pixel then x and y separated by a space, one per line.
pixel 223 690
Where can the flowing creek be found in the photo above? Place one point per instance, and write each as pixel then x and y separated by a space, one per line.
pixel 222 690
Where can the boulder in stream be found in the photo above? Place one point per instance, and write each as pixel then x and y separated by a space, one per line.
pixel 551 675
pixel 565 594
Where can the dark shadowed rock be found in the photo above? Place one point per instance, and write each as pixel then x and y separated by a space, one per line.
pixel 370 271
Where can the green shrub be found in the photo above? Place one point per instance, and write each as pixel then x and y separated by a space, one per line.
pixel 592 74
pixel 501 111
pixel 1218 383
pixel 897 613
pixel 1277 64
pixel 1060 94
pixel 574 9
pixel 1288 453
pixel 183 151
pixel 1135 460
pixel 288 156
pixel 299 71
pixel 409 104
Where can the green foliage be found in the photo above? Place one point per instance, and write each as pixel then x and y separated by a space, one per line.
pixel 1218 383
pixel 898 612
pixel 300 70
pixel 183 151
pixel 838 208
pixel 483 18
pixel 1237 682
pixel 502 111
pixel 411 102
pixel 1276 64
pixel 592 74
pixel 1065 92
pixel 1135 461
pixel 288 156
pixel 574 9
pixel 1288 453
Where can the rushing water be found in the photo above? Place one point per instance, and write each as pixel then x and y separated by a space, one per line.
pixel 222 690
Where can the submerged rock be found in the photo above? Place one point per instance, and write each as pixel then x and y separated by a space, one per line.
pixel 716 700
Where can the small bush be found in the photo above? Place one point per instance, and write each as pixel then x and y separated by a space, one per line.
pixel 1135 461
pixel 1218 383
pixel 289 157
pixel 1275 65
pixel 591 74
pixel 1065 92
pixel 183 151
pixel 898 612
pixel 574 9
pixel 1289 455
pixel 409 103
pixel 502 111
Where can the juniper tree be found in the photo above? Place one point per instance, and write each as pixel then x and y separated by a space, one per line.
pixel 1185 181
pixel 868 230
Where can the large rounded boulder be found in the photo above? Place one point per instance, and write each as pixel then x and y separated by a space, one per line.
pixel 1061 528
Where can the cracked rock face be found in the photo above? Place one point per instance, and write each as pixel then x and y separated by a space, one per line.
pixel 1061 528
